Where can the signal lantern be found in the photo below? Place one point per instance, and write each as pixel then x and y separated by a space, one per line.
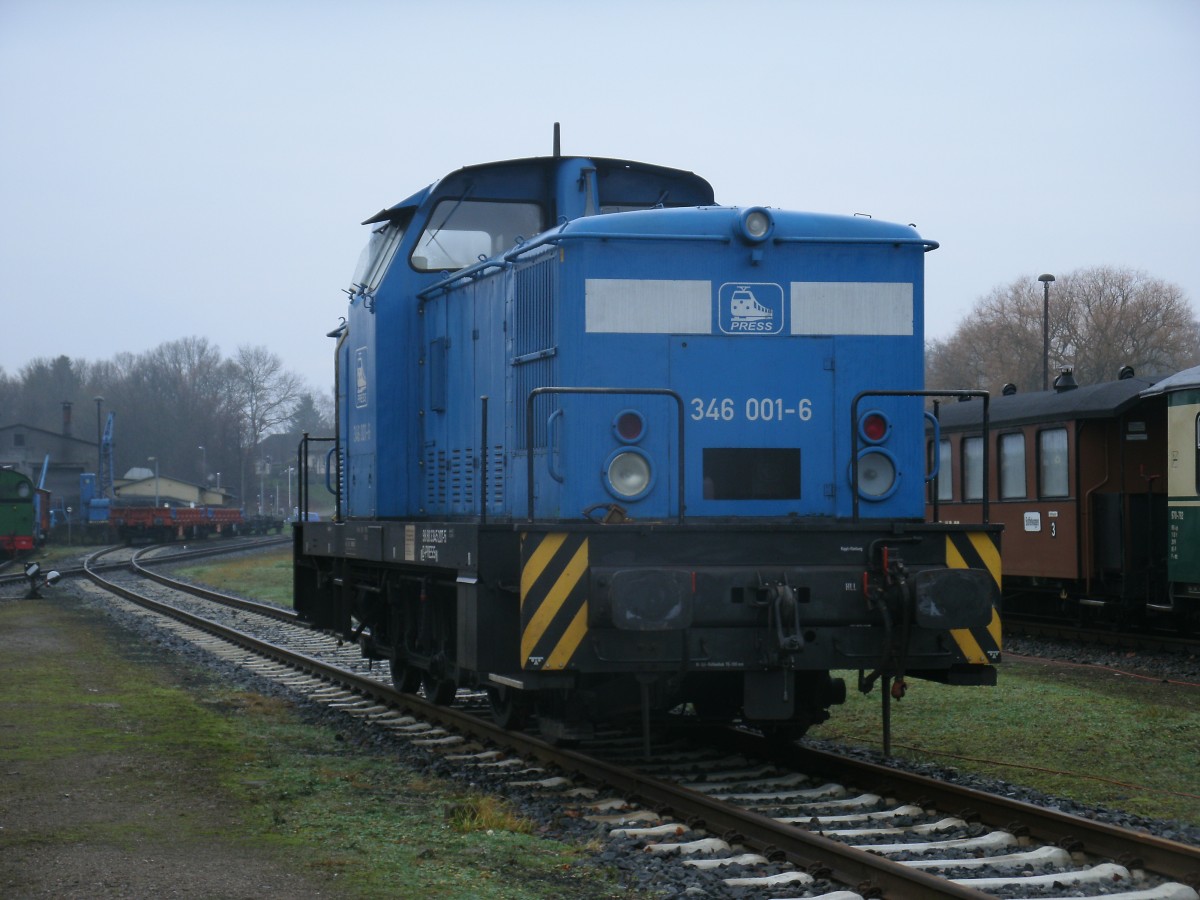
pixel 629 426
pixel 874 427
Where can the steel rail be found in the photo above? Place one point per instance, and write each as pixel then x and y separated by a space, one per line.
pixel 1180 862
pixel 178 556
pixel 264 609
pixel 1141 641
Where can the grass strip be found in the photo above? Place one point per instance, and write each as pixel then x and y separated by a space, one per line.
pixel 109 747
pixel 1089 735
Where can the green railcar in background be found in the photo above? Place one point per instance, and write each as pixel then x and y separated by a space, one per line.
pixel 1183 480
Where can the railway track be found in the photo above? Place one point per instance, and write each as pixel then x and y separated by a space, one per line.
pixel 753 819
pixel 12 571
pixel 1112 638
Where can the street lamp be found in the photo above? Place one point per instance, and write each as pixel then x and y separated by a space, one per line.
pixel 264 468
pixel 99 449
pixel 154 459
pixel 203 466
pixel 1045 280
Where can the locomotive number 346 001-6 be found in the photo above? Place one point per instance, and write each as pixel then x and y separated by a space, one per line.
pixel 754 409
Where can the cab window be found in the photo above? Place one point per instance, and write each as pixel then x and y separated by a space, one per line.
pixel 375 258
pixel 461 232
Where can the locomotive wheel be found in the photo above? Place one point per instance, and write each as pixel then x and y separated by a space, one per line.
pixel 510 708
pixel 782 732
pixel 719 702
pixel 405 678
pixel 439 691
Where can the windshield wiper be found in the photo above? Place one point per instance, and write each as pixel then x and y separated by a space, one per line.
pixel 453 210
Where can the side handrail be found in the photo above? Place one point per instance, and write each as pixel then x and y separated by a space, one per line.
pixel 854 436
pixel 552 444
pixel 303 474
pixel 931 478
pixel 937 439
pixel 529 431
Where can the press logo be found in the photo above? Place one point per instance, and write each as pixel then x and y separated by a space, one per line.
pixel 360 377
pixel 751 308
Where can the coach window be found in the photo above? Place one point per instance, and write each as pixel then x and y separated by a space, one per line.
pixel 1052 463
pixel 1012 466
pixel 972 468
pixel 1198 453
pixel 945 478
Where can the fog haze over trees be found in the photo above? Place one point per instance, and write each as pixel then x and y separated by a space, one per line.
pixel 197 412
pixel 1101 318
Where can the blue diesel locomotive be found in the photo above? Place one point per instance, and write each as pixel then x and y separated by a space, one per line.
pixel 605 447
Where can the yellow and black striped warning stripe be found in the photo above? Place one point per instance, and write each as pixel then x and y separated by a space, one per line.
pixel 553 598
pixel 977 550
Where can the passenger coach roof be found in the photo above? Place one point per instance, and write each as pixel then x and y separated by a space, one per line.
pixel 1188 378
pixel 1091 401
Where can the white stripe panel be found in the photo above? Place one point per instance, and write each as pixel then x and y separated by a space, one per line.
pixel 852 307
pixel 645 306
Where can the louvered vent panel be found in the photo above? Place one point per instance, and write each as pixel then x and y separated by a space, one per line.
pixel 535 296
pixel 435 479
pixel 461 477
pixel 496 471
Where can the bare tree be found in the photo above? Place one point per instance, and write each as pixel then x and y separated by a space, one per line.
pixel 1100 319
pixel 265 390
pixel 265 393
pixel 198 414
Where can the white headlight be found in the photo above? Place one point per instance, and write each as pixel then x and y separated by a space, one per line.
pixel 757 224
pixel 629 474
pixel 876 475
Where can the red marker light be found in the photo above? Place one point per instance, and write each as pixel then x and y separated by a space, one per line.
pixel 874 427
pixel 630 425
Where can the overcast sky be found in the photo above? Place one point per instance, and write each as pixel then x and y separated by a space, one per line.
pixel 171 168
